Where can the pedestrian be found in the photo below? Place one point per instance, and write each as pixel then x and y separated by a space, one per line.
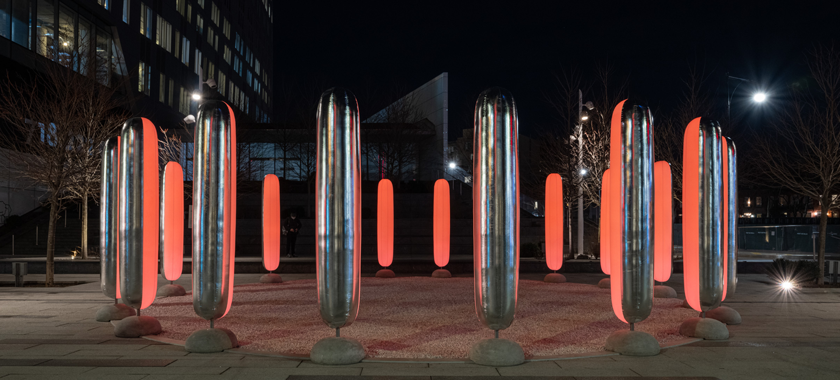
pixel 292 227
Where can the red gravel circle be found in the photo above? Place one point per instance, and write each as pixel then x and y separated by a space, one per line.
pixel 420 318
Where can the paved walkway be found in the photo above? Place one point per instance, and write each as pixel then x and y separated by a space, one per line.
pixel 50 333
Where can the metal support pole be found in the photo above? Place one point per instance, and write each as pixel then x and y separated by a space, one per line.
pixel 580 167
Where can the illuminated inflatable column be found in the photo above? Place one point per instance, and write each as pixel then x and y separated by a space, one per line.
pixel 496 223
pixel 554 227
pixel 172 229
pixel 605 229
pixel 385 228
pixel 271 227
pixel 632 226
pixel 663 229
pixel 703 226
pixel 338 230
pixel 442 221
pixel 138 221
pixel 213 224
pixel 108 229
pixel 727 314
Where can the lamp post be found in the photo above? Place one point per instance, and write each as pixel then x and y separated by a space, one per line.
pixel 583 116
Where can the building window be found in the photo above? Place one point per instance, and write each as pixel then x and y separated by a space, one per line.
pixel 198 62
pixel 201 3
pixel 181 7
pixel 177 49
pixel 189 12
pixel 199 24
pixel 758 201
pixel 170 99
pixel 214 14
pixel 164 34
pixel 20 21
pixel 226 28
pixel 45 29
pixel 162 89
pixel 85 30
pixel 184 102
pixel 185 51
pixel 105 3
pixel 146 20
pixel 103 58
pixel 66 36
pixel 747 201
pixel 126 10
pixel 221 81
pixel 144 78
pixel 227 54
pixel 210 34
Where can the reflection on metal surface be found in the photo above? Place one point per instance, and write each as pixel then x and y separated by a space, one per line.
pixel 632 169
pixel 172 221
pixel 109 218
pixel 731 217
pixel 663 221
pixel 703 214
pixel 496 208
pixel 214 223
pixel 338 207
pixel 139 208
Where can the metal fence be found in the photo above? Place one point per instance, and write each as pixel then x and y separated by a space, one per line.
pixel 787 238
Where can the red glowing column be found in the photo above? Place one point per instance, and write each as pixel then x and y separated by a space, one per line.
pixel 663 221
pixel 554 221
pixel 441 220
pixel 615 212
pixel 606 196
pixel 385 223
pixel 271 222
pixel 230 215
pixel 172 221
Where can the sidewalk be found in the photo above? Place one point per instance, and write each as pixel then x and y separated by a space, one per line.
pixel 50 333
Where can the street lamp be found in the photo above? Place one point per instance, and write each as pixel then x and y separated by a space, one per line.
pixel 452 165
pixel 196 96
pixel 583 115
pixel 759 97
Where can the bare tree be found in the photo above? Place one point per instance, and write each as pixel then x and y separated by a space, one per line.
pixel 396 146
pixel 807 131
pixel 58 121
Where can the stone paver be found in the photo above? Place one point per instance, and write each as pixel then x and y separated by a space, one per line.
pixel 50 334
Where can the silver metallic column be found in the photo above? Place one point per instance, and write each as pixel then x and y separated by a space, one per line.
pixel 109 217
pixel 214 192
pixel 496 208
pixel 139 207
pixel 338 207
pixel 731 171
pixel 636 203
pixel 710 181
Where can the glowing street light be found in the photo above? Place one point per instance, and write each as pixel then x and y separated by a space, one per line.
pixel 583 171
pixel 452 165
pixel 196 96
pixel 787 285
pixel 759 97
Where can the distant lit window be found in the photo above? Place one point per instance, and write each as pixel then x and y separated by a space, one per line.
pixel 144 78
pixel 164 34
pixel 146 20
pixel 45 37
pixel 126 10
pixel 758 201
pixel 185 51
pixel 105 3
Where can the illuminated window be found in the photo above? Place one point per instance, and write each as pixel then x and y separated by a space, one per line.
pixel 126 10
pixel 758 201
pixel 164 34
pixel 146 20
pixel 144 78
pixel 104 3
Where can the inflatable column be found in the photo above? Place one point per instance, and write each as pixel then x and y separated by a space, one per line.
pixel 703 225
pixel 385 228
pixel 727 314
pixel 138 233
pixel 554 227
pixel 214 222
pixel 632 225
pixel 496 221
pixel 172 229
pixel 442 222
pixel 605 222
pixel 338 223
pixel 271 228
pixel 109 226
pixel 663 229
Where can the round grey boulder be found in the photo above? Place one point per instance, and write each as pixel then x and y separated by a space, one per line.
pixel 497 352
pixel 604 283
pixel 555 278
pixel 705 328
pixel 441 273
pixel 171 290
pixel 663 291
pixel 336 351
pixel 137 326
pixel 211 340
pixel 632 343
pixel 271 278
pixel 113 312
pixel 385 273
pixel 725 314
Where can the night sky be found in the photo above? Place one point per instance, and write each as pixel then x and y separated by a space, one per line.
pixel 516 45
